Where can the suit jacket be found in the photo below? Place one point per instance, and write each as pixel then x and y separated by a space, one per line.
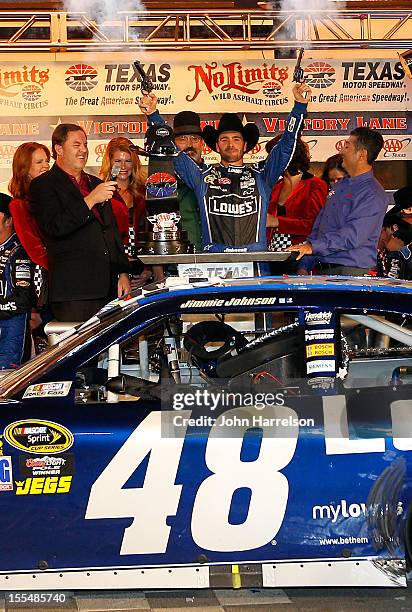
pixel 85 254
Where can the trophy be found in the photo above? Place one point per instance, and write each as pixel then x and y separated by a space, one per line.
pixel 163 236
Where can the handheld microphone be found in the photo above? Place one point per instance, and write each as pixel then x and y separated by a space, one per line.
pixel 115 171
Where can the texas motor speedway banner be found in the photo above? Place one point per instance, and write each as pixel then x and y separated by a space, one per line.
pixel 101 94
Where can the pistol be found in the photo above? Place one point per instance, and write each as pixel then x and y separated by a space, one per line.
pixel 146 84
pixel 298 75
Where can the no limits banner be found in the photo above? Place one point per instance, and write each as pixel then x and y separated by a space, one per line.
pixel 101 96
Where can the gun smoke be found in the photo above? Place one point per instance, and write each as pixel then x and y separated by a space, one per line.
pixel 329 6
pixel 103 10
pixel 305 5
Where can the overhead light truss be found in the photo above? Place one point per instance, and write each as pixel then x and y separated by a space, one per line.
pixel 205 30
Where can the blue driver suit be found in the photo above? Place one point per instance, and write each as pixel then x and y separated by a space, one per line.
pixel 15 301
pixel 233 200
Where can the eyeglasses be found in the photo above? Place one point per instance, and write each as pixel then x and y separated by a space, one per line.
pixel 188 138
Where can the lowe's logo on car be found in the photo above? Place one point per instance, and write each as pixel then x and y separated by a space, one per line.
pixel 339 510
pixel 38 437
pixel 318 318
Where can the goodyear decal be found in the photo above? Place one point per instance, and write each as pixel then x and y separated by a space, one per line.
pixel 38 436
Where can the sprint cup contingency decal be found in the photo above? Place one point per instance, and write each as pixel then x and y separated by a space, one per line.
pixel 38 436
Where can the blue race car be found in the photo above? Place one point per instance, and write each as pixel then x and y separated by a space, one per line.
pixel 245 432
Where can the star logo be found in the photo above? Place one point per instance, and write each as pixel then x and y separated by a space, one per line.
pixel 59 121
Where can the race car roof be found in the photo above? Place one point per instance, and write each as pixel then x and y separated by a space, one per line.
pixel 176 285
pixel 121 309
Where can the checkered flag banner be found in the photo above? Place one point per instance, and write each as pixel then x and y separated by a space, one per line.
pixel 130 247
pixel 37 279
pixel 279 242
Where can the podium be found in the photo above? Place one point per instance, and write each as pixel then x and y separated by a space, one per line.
pixel 235 257
pixel 212 265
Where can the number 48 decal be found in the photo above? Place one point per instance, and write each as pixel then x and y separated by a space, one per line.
pixel 158 498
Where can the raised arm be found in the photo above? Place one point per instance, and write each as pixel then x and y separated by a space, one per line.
pixel 185 167
pixel 283 151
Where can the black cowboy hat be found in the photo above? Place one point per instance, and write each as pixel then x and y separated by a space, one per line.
pixel 187 122
pixel 230 122
pixel 402 199
pixel 403 231
pixel 4 203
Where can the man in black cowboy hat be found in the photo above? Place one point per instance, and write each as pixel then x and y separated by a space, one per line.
pixel 233 198
pixel 403 203
pixel 188 138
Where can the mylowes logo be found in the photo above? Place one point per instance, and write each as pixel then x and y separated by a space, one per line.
pixel 342 510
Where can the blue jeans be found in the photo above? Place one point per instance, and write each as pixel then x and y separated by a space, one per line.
pixel 12 340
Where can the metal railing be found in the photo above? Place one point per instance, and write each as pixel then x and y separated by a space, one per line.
pixel 208 29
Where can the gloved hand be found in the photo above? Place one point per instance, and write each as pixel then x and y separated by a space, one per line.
pixel 406 252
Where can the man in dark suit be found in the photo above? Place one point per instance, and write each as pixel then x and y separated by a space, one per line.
pixel 87 263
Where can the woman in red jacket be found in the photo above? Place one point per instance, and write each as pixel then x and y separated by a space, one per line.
pixel 128 200
pixel 296 200
pixel 30 160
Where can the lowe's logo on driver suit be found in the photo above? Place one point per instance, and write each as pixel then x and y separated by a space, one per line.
pixel 236 207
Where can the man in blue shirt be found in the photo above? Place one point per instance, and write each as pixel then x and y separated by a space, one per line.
pixel 345 234
pixel 233 198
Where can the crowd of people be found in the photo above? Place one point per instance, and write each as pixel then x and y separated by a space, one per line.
pixel 67 236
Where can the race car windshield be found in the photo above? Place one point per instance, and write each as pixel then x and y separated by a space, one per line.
pixel 18 379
